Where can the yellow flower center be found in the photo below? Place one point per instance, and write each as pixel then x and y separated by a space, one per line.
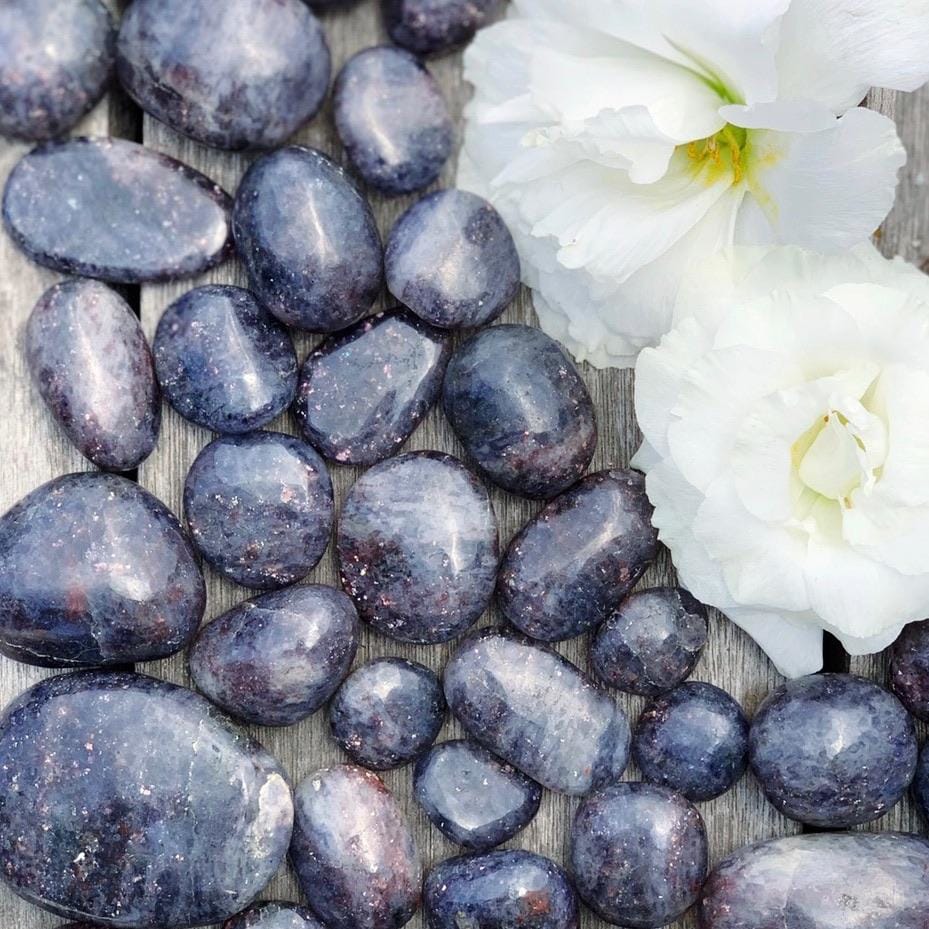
pixel 725 153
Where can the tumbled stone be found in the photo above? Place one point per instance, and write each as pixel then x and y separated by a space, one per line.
pixel 56 58
pixel 364 391
pixel 350 883
pixel 472 797
pixel 187 63
pixel 95 571
pixel 572 565
pixel 278 658
pixel 499 890
pixel 93 367
pixel 537 711
pixel 909 669
pixel 651 643
pixel 430 27
pixel 921 783
pixel 308 240
pixel 417 547
pixel 131 802
pixel 825 881
pixel 638 854
pixel 452 261
pixel 223 361
pixel 117 211
pixel 259 508
pixel 811 775
pixel 392 119
pixel 274 915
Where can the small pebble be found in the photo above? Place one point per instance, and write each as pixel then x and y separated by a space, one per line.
pixel 909 669
pixel 274 915
pixel 431 27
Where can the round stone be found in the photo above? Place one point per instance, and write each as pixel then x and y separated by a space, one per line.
pixel 909 669
pixel 274 915
pixel 430 27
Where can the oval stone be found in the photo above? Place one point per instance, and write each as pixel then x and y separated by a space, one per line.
pixel 92 365
pixel 143 805
pixel 95 571
pixel 430 27
pixel 352 884
pixel 308 240
pixel 259 508
pixel 186 63
pixel 392 119
pixel 274 915
pixel 278 658
pixel 499 890
pixel 909 669
pixel 417 547
pixel 56 58
pixel 921 783
pixel 521 409
pixel 117 211
pixel 537 711
pixel 572 565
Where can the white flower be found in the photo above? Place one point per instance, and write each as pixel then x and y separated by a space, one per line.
pixel 786 424
pixel 624 139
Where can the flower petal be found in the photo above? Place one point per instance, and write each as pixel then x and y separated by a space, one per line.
pixel 869 645
pixel 795 646
pixel 783 115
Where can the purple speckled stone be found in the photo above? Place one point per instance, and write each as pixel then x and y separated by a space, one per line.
pixel 921 783
pixel 431 27
pixel 89 359
pixel 188 63
pixel 537 711
pixel 278 658
pixel 638 854
pixel 143 805
pixel 114 210
pixel 909 669
pixel 417 547
pixel 95 571
pixel 811 775
pixel 855 880
pixel 274 914
pixel 353 851
pixel 308 240
pixel 572 565
pixel 364 391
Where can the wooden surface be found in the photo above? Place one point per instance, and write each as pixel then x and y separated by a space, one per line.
pixel 33 451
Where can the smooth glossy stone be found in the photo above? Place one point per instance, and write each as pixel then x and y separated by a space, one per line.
pixel 56 58
pixel 638 854
pixel 472 797
pixel 240 74
pixel 259 508
pixel 537 711
pixel 89 358
pixel 521 409
pixel 223 361
pixel 142 805
pixel 499 890
pixel 854 880
pixel 693 740
pixel 353 851
pixel 363 392
pixel 95 571
pixel 651 643
pixel 430 27
pixel 274 915
pixel 417 547
pixel 909 669
pixel 308 240
pixel 812 775
pixel 114 210
pixel 574 563
pixel 392 119
pixel 278 658
pixel 452 261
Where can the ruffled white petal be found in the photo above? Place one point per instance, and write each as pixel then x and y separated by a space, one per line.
pixel 795 647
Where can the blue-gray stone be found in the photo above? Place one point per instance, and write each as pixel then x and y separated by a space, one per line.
pixel 431 27
pixel 274 914
pixel 363 392
pixel 921 783
pixel 472 797
pixel 537 711
pixel 574 563
pixel 130 802
pixel 638 854
pixel 452 261
pixel 92 365
pixel 308 240
pixel 223 361
pixel 278 658
pixel 259 508
pixel 812 775
pixel 909 669
pixel 114 210
pixel 392 119
pixel 241 74
pixel 417 547
pixel 95 571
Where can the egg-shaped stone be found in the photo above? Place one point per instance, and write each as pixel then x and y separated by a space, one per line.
pixel 909 669
pixel 274 914
pixel 431 27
